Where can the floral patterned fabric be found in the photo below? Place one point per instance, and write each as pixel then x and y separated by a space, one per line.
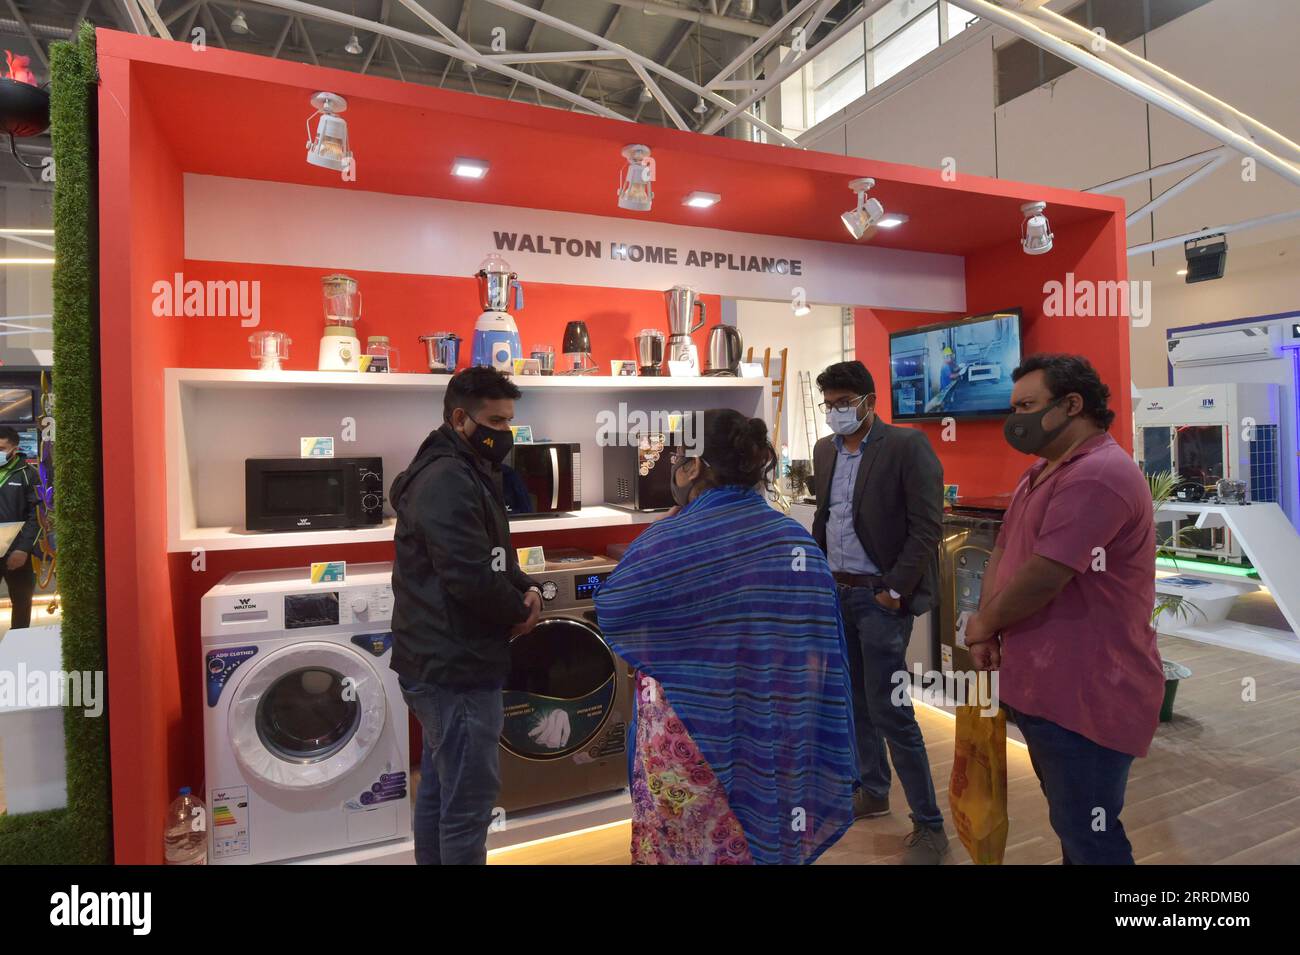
pixel 680 813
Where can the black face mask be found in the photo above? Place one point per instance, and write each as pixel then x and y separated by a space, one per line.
pixel 1025 431
pixel 681 495
pixel 491 444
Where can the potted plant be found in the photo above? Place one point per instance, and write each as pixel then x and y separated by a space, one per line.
pixel 1179 608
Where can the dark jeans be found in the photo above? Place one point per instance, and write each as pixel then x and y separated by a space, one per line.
pixel 877 643
pixel 21 584
pixel 459 771
pixel 1084 784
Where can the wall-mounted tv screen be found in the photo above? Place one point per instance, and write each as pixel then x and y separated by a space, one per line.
pixel 957 369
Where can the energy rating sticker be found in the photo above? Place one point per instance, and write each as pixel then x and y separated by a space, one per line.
pixel 329 571
pixel 316 447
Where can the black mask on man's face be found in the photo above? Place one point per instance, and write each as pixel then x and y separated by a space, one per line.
pixel 1025 432
pixel 491 444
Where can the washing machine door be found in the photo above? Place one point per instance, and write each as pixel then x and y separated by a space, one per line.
pixel 560 690
pixel 306 715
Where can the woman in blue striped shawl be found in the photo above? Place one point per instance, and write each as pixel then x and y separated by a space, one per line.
pixel 743 746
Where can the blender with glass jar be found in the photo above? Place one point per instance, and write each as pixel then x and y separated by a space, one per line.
pixel 496 336
pixel 339 348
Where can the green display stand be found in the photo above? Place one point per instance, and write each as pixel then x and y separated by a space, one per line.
pixel 80 833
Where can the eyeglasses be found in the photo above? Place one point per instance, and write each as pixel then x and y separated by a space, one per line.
pixel 844 404
pixel 678 458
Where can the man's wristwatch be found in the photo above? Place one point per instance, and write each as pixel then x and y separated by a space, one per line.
pixel 534 589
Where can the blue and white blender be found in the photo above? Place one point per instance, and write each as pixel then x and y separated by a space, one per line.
pixel 496 337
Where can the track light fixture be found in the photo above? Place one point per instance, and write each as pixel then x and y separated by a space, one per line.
pixel 635 189
pixel 239 24
pixel 867 213
pixel 1035 233
pixel 330 148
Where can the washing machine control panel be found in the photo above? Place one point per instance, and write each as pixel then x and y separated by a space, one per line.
pixel 334 608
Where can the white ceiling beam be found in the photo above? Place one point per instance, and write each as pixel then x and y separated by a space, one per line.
pixel 709 20
pixel 1176 106
pixel 300 9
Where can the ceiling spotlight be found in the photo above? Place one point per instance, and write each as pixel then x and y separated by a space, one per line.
pixel 867 213
pixel 892 220
pixel 701 200
pixel 801 310
pixel 329 149
pixel 1207 258
pixel 700 106
pixel 469 168
pixel 239 24
pixel 1036 233
pixel 635 191
pixel 353 45
pixel 646 95
pixel 1181 272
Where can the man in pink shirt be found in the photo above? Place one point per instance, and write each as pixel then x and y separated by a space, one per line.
pixel 1066 617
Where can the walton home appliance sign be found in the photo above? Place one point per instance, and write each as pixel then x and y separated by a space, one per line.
pixel 272 223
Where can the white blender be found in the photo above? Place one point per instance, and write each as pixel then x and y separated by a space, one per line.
pixel 496 337
pixel 339 348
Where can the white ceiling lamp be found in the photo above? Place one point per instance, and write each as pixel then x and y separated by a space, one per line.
pixel 892 220
pixel 1036 233
pixel 702 200
pixel 329 149
pixel 700 106
pixel 353 45
pixel 635 189
pixel 239 24
pixel 646 95
pixel 867 213
pixel 801 310
pixel 470 168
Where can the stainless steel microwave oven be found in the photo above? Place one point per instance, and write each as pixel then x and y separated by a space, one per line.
pixel 302 494
pixel 542 478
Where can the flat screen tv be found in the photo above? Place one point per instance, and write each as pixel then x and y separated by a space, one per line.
pixel 957 369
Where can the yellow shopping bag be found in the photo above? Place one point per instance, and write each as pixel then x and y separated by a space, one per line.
pixel 977 792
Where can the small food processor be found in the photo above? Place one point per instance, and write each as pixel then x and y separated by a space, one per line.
pixel 269 348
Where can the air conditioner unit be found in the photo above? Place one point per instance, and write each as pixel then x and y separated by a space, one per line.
pixel 1247 343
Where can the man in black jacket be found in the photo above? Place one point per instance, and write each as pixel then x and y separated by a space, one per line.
pixel 18 502
pixel 459 596
pixel 879 517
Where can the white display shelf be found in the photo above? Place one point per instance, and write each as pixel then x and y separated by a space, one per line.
pixel 215 418
pixel 237 538
pixel 245 379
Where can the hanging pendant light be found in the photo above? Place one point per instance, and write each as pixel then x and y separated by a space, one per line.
pixel 353 45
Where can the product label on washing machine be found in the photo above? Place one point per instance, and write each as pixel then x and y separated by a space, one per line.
pixel 230 830
pixel 220 664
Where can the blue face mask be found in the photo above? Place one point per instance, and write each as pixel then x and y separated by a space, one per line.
pixel 845 421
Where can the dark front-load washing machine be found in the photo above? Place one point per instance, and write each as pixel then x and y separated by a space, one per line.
pixel 568 699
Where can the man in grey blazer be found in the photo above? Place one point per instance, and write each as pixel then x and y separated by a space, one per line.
pixel 879 517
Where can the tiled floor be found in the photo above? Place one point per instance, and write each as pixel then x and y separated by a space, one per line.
pixel 1221 784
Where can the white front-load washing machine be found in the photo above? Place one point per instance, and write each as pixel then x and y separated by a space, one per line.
pixel 305 730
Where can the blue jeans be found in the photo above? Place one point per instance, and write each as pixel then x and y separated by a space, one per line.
pixel 1084 783
pixel 459 771
pixel 877 643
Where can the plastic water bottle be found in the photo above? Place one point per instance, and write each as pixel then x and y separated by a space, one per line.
pixel 185 837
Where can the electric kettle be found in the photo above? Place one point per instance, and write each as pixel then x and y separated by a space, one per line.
pixel 725 349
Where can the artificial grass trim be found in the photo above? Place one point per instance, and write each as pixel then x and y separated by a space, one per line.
pixel 81 833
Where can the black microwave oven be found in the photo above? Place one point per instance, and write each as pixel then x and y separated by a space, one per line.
pixel 542 478
pixel 307 494
pixel 638 471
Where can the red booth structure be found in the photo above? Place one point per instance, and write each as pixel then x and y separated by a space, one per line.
pixel 166 110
